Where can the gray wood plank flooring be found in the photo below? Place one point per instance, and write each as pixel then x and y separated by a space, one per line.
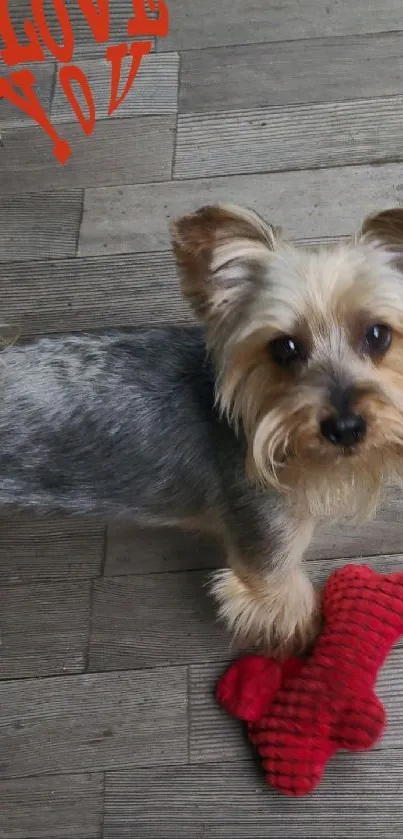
pixel 45 75
pixel 92 722
pixel 279 138
pixel 289 73
pixel 155 90
pixel 110 649
pixel 61 295
pixel 226 22
pixel 225 800
pixel 37 224
pixel 45 628
pixel 183 629
pixel 135 217
pixel 84 43
pixel 52 807
pixel 119 151
pixel 382 536
pixel 133 550
pixel 38 549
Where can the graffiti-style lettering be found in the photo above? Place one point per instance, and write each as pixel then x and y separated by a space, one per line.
pixel 150 19
pixel 115 55
pixel 70 74
pixel 28 102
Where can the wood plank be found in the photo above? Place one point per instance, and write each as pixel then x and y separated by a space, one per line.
pixel 52 808
pixel 285 138
pixel 319 570
pixel 88 49
pixel 289 73
pixel 359 798
pixel 81 723
pixel 214 736
pixel 44 629
pixel 37 225
pixel 221 22
pixel 133 550
pixel 152 620
pixel 119 151
pixel 135 218
pixel 389 689
pixel 94 293
pixel 34 548
pixel 383 535
pixel 44 75
pixel 68 295
pixel 155 89
pixel 84 42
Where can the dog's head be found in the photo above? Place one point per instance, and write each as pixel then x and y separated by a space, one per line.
pixel 308 350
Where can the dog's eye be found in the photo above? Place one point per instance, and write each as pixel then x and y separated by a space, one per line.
pixel 286 351
pixel 377 339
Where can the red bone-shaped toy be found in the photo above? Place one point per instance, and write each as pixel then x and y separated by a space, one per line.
pixel 300 713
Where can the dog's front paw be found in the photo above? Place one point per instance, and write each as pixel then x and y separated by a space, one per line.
pixel 278 615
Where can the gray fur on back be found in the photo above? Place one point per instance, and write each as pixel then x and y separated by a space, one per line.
pixel 119 424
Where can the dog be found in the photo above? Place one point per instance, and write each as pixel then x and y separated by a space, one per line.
pixel 283 406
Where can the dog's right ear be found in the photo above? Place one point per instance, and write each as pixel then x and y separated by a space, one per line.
pixel 220 251
pixel 385 231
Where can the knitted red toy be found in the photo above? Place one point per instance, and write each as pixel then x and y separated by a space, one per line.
pixel 300 713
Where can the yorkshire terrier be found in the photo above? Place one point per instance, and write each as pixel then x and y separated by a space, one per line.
pixel 284 407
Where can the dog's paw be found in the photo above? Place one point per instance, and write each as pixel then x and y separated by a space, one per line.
pixel 276 615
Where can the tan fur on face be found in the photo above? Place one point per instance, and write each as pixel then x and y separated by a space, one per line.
pixel 248 287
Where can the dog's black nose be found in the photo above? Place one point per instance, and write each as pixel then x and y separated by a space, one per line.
pixel 344 430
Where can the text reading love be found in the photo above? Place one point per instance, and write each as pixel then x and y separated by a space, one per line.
pixel 19 87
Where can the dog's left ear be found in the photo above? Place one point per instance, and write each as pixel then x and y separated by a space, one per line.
pixel 385 230
pixel 221 252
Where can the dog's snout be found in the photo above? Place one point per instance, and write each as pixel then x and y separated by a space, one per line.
pixel 344 429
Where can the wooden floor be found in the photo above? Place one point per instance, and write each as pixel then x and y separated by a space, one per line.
pixel 109 647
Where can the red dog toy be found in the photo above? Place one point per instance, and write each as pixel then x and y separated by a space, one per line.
pixel 300 713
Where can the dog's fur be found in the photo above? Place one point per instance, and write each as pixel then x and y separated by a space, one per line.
pixel 201 428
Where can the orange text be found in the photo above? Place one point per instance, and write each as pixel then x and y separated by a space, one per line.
pixel 19 87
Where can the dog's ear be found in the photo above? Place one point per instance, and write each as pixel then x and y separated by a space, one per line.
pixel 385 231
pixel 220 251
